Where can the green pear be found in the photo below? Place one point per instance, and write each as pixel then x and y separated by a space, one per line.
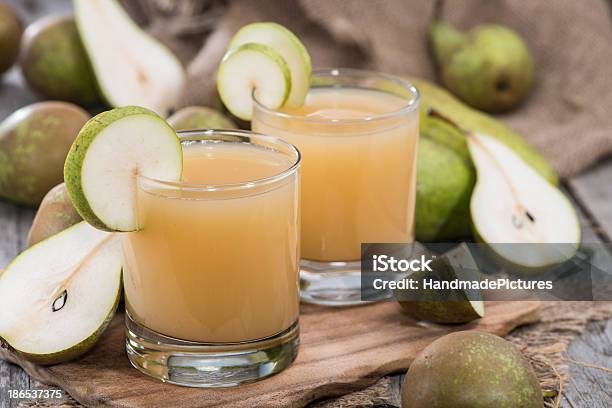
pixel 471 369
pixel 445 172
pixel 11 30
pixel 54 63
pixel 34 142
pixel 58 296
pixel 200 117
pixel 444 185
pixel 55 214
pixel 489 67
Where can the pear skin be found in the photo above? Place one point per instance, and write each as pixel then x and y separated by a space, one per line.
pixel 11 29
pixel 55 214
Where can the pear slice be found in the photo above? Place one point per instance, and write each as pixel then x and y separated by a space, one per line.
pixel 253 71
pixel 109 153
pixel 523 218
pixel 131 67
pixel 289 46
pixel 58 296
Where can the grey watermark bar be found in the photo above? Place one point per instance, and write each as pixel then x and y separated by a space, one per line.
pixel 478 271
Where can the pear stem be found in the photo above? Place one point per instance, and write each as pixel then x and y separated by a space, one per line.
pixel 522 211
pixel 433 113
pixel 438 7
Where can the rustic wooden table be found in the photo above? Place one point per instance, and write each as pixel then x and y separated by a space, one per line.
pixel 592 191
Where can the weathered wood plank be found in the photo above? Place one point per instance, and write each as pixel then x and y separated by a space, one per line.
pixel 8 233
pixel 14 224
pixel 589 386
pixel 396 388
pixel 593 190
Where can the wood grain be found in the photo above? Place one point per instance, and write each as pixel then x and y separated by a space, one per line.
pixel 342 350
pixel 593 191
pixel 590 386
pixel 14 224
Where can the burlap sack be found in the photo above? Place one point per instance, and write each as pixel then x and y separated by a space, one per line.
pixel 568 115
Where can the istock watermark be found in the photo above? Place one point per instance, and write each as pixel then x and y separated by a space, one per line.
pixel 384 263
pixel 486 271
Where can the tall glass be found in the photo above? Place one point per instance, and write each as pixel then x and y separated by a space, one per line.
pixel 211 276
pixel 358 134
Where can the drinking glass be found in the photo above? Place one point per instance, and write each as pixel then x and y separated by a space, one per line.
pixel 358 134
pixel 211 275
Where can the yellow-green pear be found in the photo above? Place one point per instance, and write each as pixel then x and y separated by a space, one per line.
pixel 11 29
pixel 34 142
pixel 55 214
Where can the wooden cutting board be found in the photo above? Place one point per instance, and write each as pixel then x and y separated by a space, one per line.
pixel 342 350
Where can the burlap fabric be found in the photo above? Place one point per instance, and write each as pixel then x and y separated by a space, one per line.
pixel 568 116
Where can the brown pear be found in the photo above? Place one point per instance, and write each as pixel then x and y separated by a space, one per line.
pixel 34 142
pixel 55 214
pixel 471 369
pixel 11 30
pixel 54 63
pixel 200 117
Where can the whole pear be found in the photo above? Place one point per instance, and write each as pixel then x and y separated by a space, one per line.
pixel 55 214
pixel 471 369
pixel 54 62
pixel 489 67
pixel 444 184
pixel 11 30
pixel 200 117
pixel 34 142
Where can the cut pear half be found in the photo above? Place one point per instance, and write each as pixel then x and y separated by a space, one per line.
pixel 58 296
pixel 289 46
pixel 441 305
pixel 131 67
pixel 523 218
pixel 253 71
pixel 103 164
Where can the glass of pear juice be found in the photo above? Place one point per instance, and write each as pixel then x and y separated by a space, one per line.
pixel 211 276
pixel 358 134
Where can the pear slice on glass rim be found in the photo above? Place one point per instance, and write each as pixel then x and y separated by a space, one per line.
pixel 253 71
pixel 109 153
pixel 289 47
